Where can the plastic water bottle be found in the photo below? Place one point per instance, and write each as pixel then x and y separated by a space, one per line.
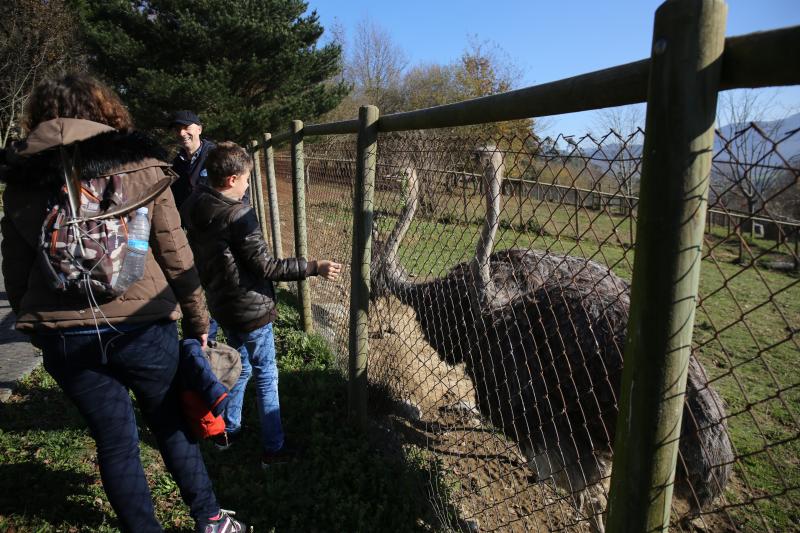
pixel 136 254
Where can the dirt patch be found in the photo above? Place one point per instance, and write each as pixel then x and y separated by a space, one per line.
pixel 487 479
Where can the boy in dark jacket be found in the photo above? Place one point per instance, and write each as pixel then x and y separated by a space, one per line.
pixel 237 271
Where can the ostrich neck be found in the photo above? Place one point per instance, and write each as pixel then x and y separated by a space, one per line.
pixel 399 231
pixel 406 216
pixel 480 267
pixel 396 276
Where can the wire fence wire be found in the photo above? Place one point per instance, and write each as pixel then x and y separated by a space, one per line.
pixel 500 297
pixel 329 179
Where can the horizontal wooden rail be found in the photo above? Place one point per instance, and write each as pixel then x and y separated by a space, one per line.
pixel 625 84
pixel 282 137
pixel 329 128
pixel 760 220
pixel 332 128
pixel 760 59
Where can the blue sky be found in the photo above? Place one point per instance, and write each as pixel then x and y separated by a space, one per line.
pixel 547 40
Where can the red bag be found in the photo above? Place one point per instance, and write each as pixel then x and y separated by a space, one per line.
pixel 201 420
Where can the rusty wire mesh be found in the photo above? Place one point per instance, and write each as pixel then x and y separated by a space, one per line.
pixel 329 177
pixel 747 322
pixel 506 379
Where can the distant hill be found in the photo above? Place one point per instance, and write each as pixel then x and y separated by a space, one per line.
pixel 785 133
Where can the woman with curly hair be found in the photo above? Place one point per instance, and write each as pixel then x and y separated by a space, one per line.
pixel 99 352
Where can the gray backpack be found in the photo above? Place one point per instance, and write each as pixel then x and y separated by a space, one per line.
pixel 225 362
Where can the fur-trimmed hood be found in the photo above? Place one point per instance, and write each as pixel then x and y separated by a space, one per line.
pixel 33 175
pixel 102 151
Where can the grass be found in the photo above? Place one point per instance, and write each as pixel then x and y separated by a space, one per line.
pixel 745 333
pixel 345 481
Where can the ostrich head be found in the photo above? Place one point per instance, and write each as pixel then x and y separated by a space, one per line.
pixel 488 155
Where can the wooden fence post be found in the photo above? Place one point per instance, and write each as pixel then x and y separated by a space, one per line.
pixel 686 61
pixel 366 160
pixel 257 190
pixel 274 210
pixel 300 235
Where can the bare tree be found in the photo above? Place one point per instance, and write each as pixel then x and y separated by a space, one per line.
pixel 749 173
pixel 623 119
pixel 620 131
pixel 373 68
pixel 37 39
pixel 348 107
pixel 376 66
pixel 484 68
pixel 336 34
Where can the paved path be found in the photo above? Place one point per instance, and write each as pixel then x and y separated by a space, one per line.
pixel 17 356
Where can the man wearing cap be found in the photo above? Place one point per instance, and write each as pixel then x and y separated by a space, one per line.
pixel 190 162
pixel 190 165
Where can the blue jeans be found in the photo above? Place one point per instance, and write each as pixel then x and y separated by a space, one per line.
pixel 257 348
pixel 143 360
pixel 213 327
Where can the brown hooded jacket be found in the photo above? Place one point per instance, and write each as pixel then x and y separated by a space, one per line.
pixel 170 283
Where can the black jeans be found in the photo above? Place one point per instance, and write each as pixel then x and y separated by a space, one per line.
pixel 143 360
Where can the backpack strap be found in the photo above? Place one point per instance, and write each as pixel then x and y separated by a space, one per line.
pixel 124 209
pixel 69 171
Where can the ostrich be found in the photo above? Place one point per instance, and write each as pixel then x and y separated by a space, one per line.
pixel 541 336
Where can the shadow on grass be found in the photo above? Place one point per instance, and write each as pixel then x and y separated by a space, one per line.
pixel 42 497
pixel 42 408
pixel 44 447
pixel 343 481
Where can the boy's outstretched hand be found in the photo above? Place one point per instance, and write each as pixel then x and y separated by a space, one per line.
pixel 327 269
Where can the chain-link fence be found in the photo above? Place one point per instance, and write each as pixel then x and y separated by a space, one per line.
pixel 747 323
pixel 508 376
pixel 329 171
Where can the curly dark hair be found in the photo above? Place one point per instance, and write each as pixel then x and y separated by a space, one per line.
pixel 77 96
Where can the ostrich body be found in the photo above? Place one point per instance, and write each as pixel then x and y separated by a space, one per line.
pixel 541 336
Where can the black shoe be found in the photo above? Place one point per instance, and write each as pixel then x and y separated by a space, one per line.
pixel 223 441
pixel 286 454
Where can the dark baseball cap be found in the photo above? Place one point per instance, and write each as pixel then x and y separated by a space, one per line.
pixel 185 117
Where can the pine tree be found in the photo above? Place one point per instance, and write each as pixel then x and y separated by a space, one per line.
pixel 245 66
